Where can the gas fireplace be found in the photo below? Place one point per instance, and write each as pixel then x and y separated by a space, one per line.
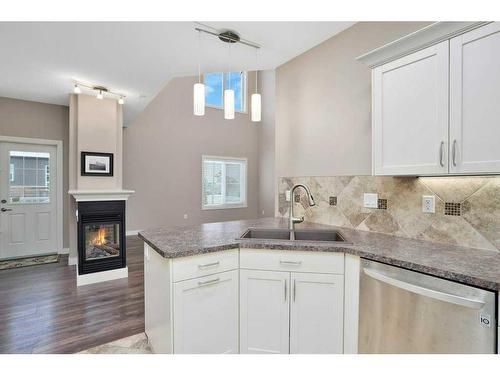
pixel 101 236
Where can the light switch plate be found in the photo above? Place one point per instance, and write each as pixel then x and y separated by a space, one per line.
pixel 370 200
pixel 429 204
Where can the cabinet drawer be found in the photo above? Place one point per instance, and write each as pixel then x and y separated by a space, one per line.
pixel 203 265
pixel 292 261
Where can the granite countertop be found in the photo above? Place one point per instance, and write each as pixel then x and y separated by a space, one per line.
pixel 476 267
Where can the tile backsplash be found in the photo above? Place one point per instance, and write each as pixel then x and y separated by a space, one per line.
pixel 471 218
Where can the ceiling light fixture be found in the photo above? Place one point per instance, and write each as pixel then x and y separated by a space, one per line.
pixel 229 37
pixel 99 91
pixel 199 88
pixel 256 101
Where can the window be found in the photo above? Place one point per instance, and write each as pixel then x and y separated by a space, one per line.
pixel 11 172
pixel 29 177
pixel 224 182
pixel 216 83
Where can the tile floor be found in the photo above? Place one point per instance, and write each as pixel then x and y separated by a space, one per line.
pixel 136 344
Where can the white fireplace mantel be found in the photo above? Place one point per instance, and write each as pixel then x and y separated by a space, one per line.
pixel 101 195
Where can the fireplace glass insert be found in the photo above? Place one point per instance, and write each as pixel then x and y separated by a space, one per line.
pixel 101 236
pixel 101 241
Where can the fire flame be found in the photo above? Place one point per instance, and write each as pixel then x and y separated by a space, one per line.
pixel 100 237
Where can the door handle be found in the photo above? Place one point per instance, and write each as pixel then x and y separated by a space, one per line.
pixel 441 154
pixel 3 209
pixel 426 292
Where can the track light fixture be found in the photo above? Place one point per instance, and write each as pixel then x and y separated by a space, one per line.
pixel 100 91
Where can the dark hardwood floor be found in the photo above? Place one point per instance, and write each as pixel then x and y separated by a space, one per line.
pixel 42 310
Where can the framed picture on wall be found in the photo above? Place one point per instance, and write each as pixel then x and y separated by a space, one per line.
pixel 96 164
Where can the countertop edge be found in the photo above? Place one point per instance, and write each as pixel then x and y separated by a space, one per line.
pixel 343 248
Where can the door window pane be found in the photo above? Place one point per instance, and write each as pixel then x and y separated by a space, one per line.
pixel 29 177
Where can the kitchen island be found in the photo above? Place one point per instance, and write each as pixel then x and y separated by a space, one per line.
pixel 208 291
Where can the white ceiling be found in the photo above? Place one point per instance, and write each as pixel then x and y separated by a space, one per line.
pixel 40 60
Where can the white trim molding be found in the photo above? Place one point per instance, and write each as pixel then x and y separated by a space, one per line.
pixel 60 177
pixel 420 39
pixel 100 195
pixel 98 277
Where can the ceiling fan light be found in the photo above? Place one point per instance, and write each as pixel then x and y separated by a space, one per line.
pixel 199 99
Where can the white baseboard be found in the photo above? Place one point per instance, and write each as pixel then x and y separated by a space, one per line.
pixel 72 261
pixel 64 251
pixel 132 232
pixel 97 277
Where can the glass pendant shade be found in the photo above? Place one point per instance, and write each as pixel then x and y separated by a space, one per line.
pixel 256 108
pixel 229 104
pixel 199 99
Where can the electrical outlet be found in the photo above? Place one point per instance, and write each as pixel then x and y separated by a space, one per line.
pixel 185 216
pixel 287 195
pixel 428 204
pixel 370 200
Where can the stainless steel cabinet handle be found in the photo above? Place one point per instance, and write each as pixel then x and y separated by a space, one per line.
pixel 441 162
pixel 294 289
pixel 5 209
pixel 285 290
pixel 454 152
pixel 436 294
pixel 290 263
pixel 201 266
pixel 209 282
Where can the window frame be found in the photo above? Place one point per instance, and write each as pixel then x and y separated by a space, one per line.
pixel 243 89
pixel 243 173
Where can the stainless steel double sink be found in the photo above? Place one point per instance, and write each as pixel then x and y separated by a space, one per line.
pixel 309 235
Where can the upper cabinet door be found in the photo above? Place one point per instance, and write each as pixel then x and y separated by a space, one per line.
pixel 475 101
pixel 317 314
pixel 264 312
pixel 410 114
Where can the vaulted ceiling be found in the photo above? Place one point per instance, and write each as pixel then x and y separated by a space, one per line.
pixel 41 60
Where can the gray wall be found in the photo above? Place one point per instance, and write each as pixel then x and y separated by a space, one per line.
pixel 20 118
pixel 162 159
pixel 323 104
pixel 267 180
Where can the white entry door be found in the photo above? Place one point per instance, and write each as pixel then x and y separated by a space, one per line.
pixel 28 207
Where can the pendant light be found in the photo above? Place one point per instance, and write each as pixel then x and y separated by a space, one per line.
pixel 199 88
pixel 229 94
pixel 256 101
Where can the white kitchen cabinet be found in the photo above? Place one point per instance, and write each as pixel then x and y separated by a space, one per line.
pixel 264 311
pixel 475 101
pixel 316 313
pixel 410 114
pixel 206 314
pixel 435 111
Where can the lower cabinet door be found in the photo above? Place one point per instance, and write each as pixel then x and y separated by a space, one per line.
pixel 264 311
pixel 316 313
pixel 206 314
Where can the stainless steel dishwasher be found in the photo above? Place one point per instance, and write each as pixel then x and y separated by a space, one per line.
pixel 402 311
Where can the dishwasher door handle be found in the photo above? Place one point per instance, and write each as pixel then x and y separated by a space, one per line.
pixel 442 296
